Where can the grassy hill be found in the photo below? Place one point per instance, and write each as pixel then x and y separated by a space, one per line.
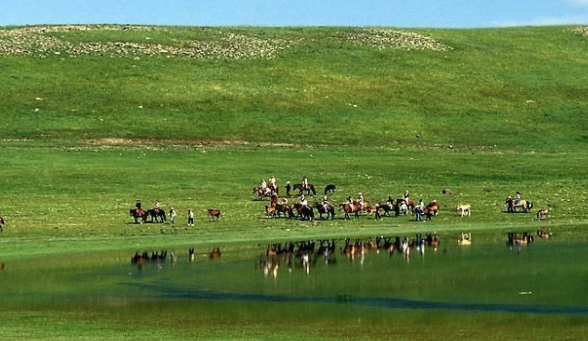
pixel 509 88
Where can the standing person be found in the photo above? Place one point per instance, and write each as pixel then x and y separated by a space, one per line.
pixel 172 215
pixel 190 217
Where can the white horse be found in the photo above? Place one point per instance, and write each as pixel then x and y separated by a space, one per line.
pixel 463 210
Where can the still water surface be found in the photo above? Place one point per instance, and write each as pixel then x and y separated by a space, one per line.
pixel 545 277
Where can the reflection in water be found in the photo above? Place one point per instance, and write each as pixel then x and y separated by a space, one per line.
pixel 305 254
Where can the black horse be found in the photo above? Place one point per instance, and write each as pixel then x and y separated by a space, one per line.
pixel 135 213
pixel 2 222
pixel 330 188
pixel 157 215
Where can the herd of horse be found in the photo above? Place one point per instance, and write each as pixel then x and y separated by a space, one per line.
pixel 355 208
pixel 327 211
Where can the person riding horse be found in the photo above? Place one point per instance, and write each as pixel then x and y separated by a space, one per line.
pixel 303 201
pixel 326 203
pixel 360 200
pixel 156 206
pixel 140 211
pixel 305 183
pixel 272 184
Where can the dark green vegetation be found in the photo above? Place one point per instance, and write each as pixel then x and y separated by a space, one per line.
pixel 92 119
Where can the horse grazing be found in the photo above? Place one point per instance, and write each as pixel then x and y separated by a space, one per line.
pixel 138 214
pixel 542 214
pixel 213 214
pixel 524 205
pixel 157 215
pixel 327 209
pixel 463 210
pixel 2 222
pixel 309 188
pixel 330 188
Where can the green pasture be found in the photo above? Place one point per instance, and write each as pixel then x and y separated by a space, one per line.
pixel 92 119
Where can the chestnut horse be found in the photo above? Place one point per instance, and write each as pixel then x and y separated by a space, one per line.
pixel 213 214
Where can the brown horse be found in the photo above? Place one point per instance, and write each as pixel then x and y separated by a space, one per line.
pixel 261 193
pixel 433 207
pixel 304 212
pixel 348 208
pixel 2 222
pixel 284 209
pixel 309 188
pixel 327 209
pixel 542 214
pixel 213 214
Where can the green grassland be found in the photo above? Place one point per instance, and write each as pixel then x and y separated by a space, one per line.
pixel 93 117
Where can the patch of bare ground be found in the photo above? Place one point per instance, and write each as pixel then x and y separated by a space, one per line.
pixel 163 144
pixel 583 30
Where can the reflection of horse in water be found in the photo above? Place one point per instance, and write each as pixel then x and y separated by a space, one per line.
pixel 2 222
pixel 309 188
pixel 465 239
pixel 215 253
pixel 513 239
pixel 524 205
